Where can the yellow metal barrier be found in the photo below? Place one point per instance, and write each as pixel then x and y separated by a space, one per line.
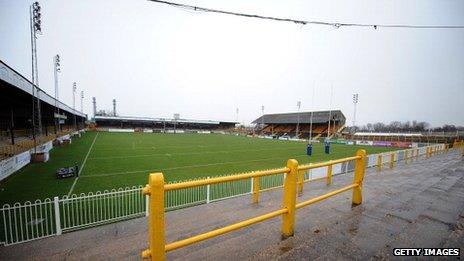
pixel 379 162
pixel 288 218
pixel 329 174
pixel 392 160
pixel 156 189
pixel 256 188
pixel 300 181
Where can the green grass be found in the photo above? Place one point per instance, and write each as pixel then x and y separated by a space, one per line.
pixel 125 159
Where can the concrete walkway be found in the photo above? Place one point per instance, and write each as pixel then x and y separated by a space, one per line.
pixel 420 204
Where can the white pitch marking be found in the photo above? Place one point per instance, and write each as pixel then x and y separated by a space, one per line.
pixel 186 153
pixel 83 164
pixel 184 167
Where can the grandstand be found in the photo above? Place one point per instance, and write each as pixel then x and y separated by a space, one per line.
pixel 159 124
pixel 16 104
pixel 314 123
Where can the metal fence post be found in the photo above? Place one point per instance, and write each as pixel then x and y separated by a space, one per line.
pixel 300 181
pixel 208 190
pixel 256 188
pixel 359 169
pixel 392 160
pixel 147 205
pixel 56 202
pixel 329 175
pixel 379 162
pixel 289 201
pixel 155 190
pixel 251 186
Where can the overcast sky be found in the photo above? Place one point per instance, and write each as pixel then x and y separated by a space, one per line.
pixel 156 60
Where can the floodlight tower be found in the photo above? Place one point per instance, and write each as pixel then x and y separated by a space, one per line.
pixel 298 105
pixel 114 107
pixel 330 111
pixel 236 114
pixel 311 118
pixel 82 101
pixel 56 63
pixel 94 102
pixel 355 102
pixel 36 29
pixel 74 103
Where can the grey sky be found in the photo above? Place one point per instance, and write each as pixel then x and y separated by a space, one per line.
pixel 158 60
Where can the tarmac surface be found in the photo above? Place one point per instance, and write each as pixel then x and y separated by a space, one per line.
pixel 419 204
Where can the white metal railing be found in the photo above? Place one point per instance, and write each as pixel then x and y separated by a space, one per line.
pixel 24 222
pixel 93 209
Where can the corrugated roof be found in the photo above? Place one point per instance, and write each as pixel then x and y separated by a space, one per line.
pixel 17 80
pixel 304 117
pixel 148 119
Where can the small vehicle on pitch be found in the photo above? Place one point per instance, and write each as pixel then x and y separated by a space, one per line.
pixel 68 172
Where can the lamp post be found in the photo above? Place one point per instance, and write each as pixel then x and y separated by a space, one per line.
pixel 298 105
pixel 56 63
pixel 74 104
pixel 82 101
pixel 311 118
pixel 355 102
pixel 330 111
pixel 36 28
pixel 262 119
pixel 82 108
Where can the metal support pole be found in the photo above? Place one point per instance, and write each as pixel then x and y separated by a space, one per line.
pixel 155 189
pixel 359 169
pixel 329 175
pixel 12 127
pixel 256 188
pixel 289 200
pixel 379 162
pixel 57 215
pixel 300 181
pixel 392 160
pixel 208 192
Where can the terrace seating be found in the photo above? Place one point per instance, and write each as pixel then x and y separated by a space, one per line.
pixel 304 129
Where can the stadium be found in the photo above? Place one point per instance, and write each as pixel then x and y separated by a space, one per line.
pixel 78 181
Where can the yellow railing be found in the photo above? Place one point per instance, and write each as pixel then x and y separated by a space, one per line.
pixel 459 145
pixel 293 178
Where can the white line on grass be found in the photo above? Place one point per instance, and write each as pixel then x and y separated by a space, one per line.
pixel 129 146
pixel 184 167
pixel 83 164
pixel 186 153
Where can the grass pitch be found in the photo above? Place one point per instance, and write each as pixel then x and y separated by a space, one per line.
pixel 115 160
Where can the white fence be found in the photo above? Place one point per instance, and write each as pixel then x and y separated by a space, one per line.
pixel 24 222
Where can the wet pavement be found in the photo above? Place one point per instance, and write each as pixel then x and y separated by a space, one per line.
pixel 420 204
